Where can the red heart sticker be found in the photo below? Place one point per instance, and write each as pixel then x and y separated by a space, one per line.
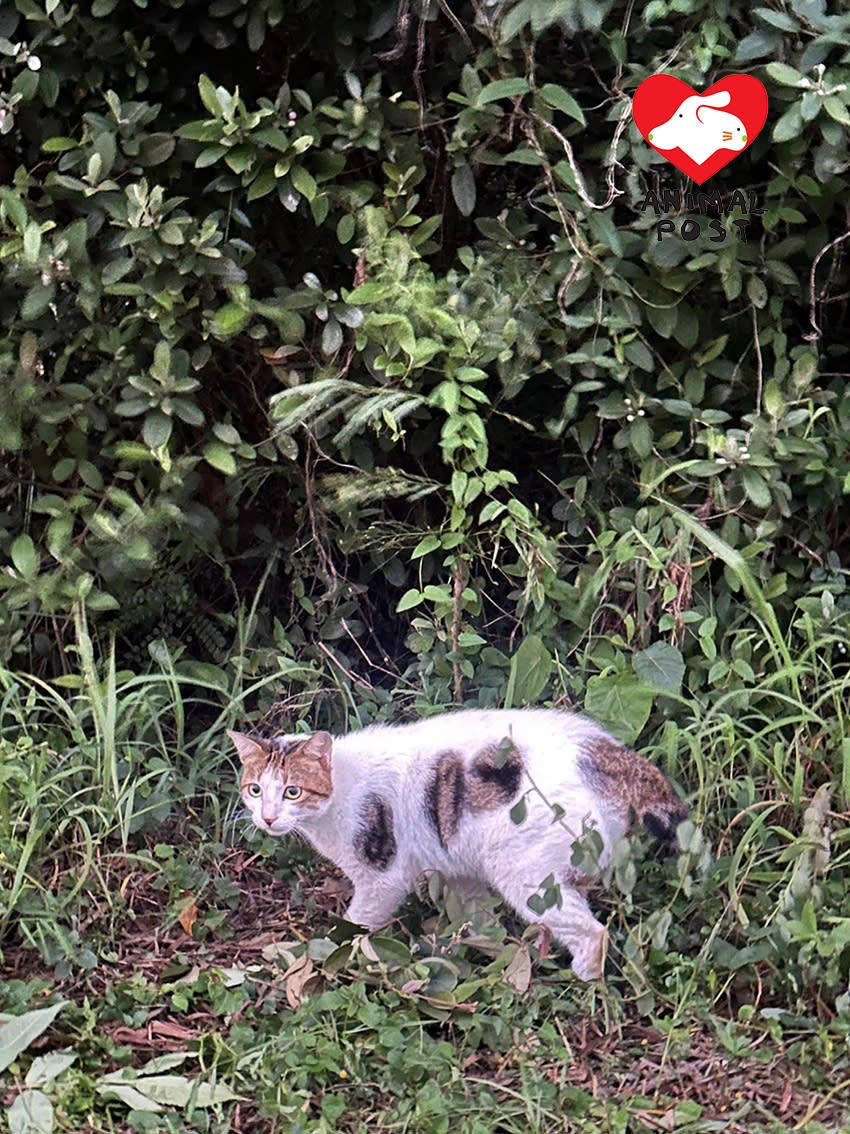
pixel 699 134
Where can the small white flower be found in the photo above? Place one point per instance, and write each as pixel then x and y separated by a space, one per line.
pixel 630 417
pixel 34 63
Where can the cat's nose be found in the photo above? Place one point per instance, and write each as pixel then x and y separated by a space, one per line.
pixel 270 817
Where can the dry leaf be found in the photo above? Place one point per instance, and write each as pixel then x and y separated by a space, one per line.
pixel 296 976
pixel 189 914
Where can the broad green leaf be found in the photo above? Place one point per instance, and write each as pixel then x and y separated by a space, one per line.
pixel 229 320
pixel 304 182
pixel 463 189
pixel 789 125
pixel 756 488
pixel 31 1113
pixel 209 98
pixel 331 336
pixel 17 1033
pixel 620 703
pixel 408 600
pixel 783 74
pixel 502 88
pixel 45 1068
pixel 426 545
pixel 531 667
pixel 661 666
pixel 156 148
pixel 220 457
pixel 156 430
pixel 166 1090
pixel 25 559
pixel 59 144
pixel 562 100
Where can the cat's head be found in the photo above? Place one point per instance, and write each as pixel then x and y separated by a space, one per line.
pixel 285 779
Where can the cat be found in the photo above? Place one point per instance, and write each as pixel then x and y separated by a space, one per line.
pixel 391 802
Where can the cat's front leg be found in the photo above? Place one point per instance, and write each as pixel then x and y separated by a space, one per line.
pixel 374 904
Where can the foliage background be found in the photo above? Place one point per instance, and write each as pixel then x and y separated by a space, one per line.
pixel 345 378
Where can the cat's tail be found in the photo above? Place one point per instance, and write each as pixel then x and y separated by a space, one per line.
pixel 662 817
pixel 633 785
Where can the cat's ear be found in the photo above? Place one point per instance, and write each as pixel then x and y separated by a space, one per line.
pixel 247 747
pixel 320 745
pixel 310 764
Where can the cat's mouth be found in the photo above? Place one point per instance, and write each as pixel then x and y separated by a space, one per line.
pixel 278 827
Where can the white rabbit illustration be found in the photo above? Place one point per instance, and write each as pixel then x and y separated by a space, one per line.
pixel 699 130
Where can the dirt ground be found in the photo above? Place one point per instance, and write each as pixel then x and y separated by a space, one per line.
pixel 724 1085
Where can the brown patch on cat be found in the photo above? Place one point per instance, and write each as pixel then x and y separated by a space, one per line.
pixel 375 840
pixel 445 793
pixel 632 784
pixel 493 779
pixel 305 763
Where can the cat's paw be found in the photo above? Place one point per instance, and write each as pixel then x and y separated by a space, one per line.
pixel 589 959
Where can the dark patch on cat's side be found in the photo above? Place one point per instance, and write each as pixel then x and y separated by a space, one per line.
pixel 445 794
pixel 375 840
pixel 493 781
pixel 634 785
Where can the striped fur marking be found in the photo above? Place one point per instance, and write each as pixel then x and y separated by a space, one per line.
pixel 633 785
pixel 375 839
pixel 445 794
pixel 494 778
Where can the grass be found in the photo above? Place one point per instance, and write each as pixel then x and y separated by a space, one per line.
pixel 209 985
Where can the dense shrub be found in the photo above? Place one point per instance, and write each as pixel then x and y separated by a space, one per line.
pixel 368 294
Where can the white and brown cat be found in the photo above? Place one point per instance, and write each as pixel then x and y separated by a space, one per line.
pixel 391 802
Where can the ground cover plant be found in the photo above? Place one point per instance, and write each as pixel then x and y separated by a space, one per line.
pixel 347 377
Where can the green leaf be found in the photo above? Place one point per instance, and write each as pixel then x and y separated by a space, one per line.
pixel 789 125
pixel 156 430
pixel 562 100
pixel 31 1113
pixel 25 559
pixel 783 74
pixel 303 182
pixel 463 189
pixel 408 600
pixel 531 667
pixel 17 1033
pixel 58 144
pixel 661 666
pixel 331 336
pixel 425 546
pixel 209 98
pixel 229 321
pixel 162 1090
pixel 154 149
pixel 345 228
pixel 32 242
pixel 502 88
pixel 620 703
pixel 220 457
pixel 756 488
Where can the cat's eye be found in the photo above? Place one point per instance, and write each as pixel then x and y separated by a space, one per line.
pixel 293 792
pixel 254 789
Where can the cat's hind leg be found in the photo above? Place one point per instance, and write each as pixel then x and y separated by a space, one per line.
pixel 375 901
pixel 571 924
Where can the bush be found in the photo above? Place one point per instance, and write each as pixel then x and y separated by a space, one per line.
pixel 375 298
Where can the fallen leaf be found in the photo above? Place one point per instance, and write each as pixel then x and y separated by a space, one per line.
pixel 188 914
pixel 19 1031
pixel 31 1113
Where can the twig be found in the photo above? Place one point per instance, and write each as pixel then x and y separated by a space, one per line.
pixel 815 334
pixel 455 630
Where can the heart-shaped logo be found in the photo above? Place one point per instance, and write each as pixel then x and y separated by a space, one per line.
pixel 699 134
